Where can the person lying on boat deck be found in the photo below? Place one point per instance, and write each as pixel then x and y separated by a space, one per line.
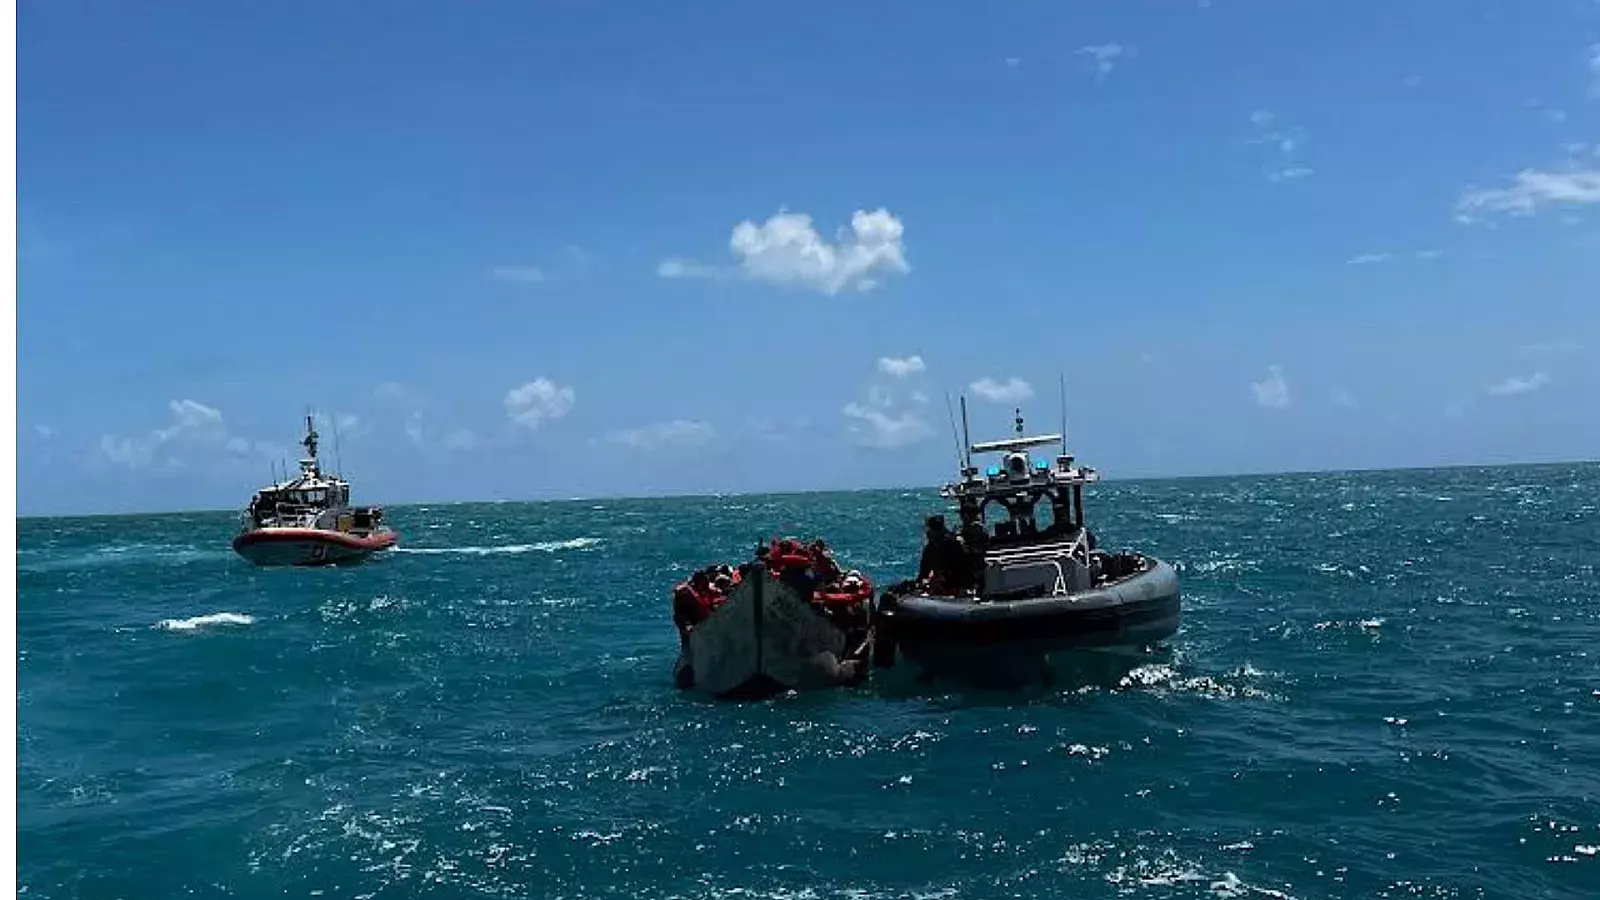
pixel 944 565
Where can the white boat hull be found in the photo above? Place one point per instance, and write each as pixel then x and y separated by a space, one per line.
pixel 764 640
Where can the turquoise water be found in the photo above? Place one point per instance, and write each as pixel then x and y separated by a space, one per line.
pixel 1386 685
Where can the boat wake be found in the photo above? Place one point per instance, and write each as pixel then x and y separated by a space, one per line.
pixel 581 543
pixel 198 622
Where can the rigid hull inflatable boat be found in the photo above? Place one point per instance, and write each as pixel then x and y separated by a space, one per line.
pixel 1030 588
pixel 308 520
pixel 770 633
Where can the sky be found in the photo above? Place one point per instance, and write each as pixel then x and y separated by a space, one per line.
pixel 523 251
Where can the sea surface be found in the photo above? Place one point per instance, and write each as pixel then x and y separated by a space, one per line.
pixel 1386 685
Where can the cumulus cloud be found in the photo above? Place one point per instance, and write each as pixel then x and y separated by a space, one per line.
pixel 674 433
pixel 193 425
pixel 1367 259
pixel 395 392
pixel 1012 390
pixel 530 404
pixel 1273 391
pixel 893 414
pixel 882 429
pixel 463 439
pixel 1518 385
pixel 1286 141
pixel 348 424
pixel 901 367
pixel 1531 190
pixel 1102 58
pixel 525 274
pixel 687 268
pixel 786 249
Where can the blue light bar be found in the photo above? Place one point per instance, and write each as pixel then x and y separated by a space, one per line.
pixel 1041 465
pixel 993 471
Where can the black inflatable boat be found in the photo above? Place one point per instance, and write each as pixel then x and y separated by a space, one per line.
pixel 1006 595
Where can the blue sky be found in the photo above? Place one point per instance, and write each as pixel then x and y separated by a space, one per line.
pixel 547 250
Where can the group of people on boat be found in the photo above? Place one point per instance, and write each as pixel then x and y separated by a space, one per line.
pixel 810 569
pixel 951 564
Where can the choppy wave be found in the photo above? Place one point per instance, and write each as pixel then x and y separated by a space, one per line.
pixel 205 621
pixel 1361 703
pixel 580 543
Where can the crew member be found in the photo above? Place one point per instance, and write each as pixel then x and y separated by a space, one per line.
pixel 943 565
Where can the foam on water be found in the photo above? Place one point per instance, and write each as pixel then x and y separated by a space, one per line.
pixel 197 622
pixel 580 543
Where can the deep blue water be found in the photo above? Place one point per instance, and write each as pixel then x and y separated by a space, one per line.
pixel 1386 685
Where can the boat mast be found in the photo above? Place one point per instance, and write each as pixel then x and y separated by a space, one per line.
pixel 966 438
pixel 310 443
pixel 1063 377
pixel 961 460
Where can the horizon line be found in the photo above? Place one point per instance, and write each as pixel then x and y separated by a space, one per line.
pixel 690 495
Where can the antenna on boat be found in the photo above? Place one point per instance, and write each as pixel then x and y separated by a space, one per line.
pixel 1063 377
pixel 338 458
pixel 954 435
pixel 966 436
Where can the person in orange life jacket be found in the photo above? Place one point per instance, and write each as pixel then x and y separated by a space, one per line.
pixel 822 562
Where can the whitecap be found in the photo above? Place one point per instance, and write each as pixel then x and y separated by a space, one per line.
pixel 219 618
pixel 579 543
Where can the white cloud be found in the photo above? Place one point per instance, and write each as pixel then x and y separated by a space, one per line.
pixel 1290 173
pixel 1344 398
pixel 1103 58
pixel 892 415
pixel 687 268
pixel 395 392
pixel 348 425
pixel 461 440
pixel 526 274
pixel 1516 385
pixel 193 425
pixel 1532 189
pixel 1273 392
pixel 676 433
pixel 1367 259
pixel 786 249
pixel 901 367
pixel 1286 142
pixel 875 427
pixel 1012 390
pixel 532 403
pixel 1550 348
pixel 415 430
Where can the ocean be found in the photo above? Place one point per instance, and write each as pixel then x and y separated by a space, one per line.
pixel 1387 684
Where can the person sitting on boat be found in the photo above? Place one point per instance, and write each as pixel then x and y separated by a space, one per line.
pixel 823 564
pixel 693 602
pixel 944 565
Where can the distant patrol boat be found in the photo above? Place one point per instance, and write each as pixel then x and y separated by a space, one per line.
pixel 1033 589
pixel 308 520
